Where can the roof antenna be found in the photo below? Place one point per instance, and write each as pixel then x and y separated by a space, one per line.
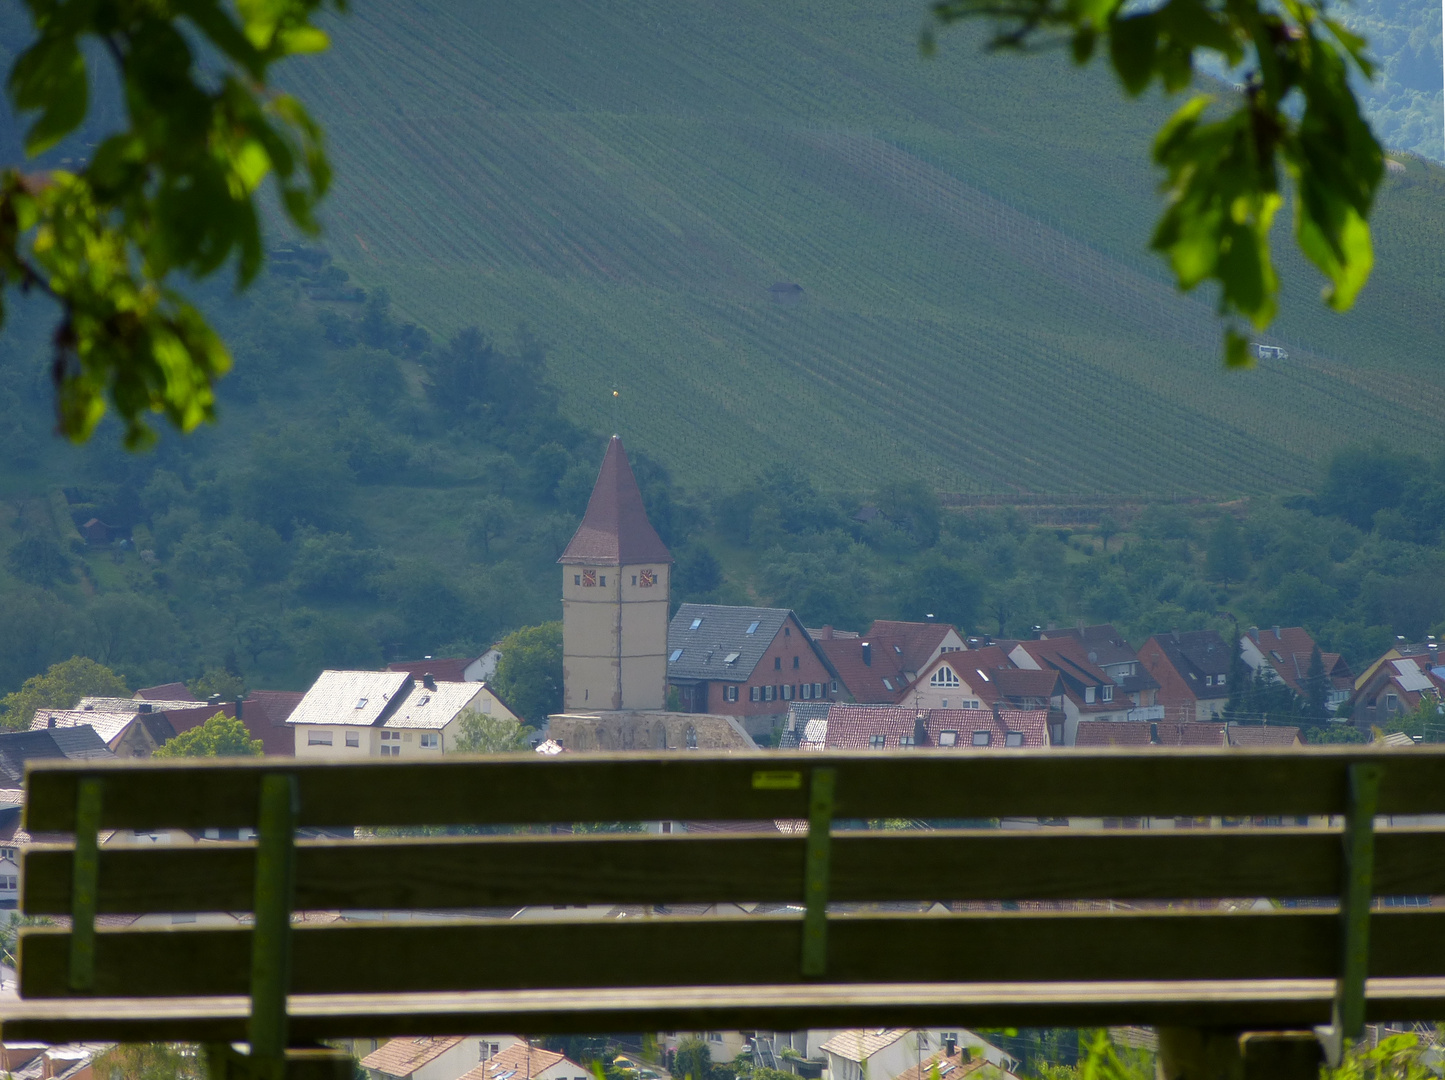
pixel 616 413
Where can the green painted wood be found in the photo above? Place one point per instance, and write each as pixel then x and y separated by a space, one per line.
pixel 937 784
pixel 1357 890
pixel 1259 1004
pixel 460 872
pixel 270 966
pixel 817 868
pixel 84 885
pixel 461 956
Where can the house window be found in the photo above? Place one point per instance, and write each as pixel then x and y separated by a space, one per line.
pixel 817 689
pixel 944 676
pixel 788 692
pixel 675 656
pixel 948 738
pixel 755 693
pixel 1107 692
pixel 1392 701
pixel 9 882
pixel 875 742
pixel 1056 734
pixel 906 740
pixel 318 738
pixel 353 738
pixel 787 631
pixel 945 703
pixel 834 685
pixel 7 853
pixel 1013 738
pixel 1088 695
pixel 730 693
pixel 714 1036
pixel 430 740
pixel 576 579
pixel 982 738
pixel 769 692
pixel 805 691
pixel 777 663
pixel 602 581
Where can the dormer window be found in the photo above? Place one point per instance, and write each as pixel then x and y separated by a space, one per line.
pixel 1107 692
pixel 1013 738
pixel 944 676
pixel 731 658
pixel 948 738
pixel 982 738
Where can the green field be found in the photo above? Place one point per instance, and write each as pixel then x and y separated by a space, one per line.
pixel 629 177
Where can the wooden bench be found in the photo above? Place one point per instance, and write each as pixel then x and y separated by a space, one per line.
pixel 282 988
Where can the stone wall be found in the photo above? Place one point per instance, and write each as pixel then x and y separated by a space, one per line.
pixel 647 730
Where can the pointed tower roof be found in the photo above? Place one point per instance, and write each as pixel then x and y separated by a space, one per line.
pixel 615 530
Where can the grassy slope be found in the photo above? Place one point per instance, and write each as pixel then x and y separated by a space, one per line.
pixel 629 177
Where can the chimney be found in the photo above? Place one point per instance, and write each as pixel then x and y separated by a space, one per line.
pixel 867 654
pixel 144 706
pixel 949 1046
pixel 920 729
pixel 214 699
pixel 239 703
pixel 429 681
pixel 1277 636
pixel 50 723
pixel 1254 633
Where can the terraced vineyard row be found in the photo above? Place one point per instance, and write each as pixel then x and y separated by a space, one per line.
pixel 630 178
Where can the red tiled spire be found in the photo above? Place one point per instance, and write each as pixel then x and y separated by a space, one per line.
pixel 615 530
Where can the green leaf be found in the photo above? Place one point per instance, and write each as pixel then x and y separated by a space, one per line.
pixel 50 76
pixel 1237 353
pixel 1133 45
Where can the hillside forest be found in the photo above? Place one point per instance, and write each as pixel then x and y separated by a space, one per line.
pixel 372 493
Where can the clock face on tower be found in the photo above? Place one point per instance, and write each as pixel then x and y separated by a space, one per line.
pixel 646 579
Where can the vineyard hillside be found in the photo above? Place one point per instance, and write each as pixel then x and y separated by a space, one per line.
pixel 978 308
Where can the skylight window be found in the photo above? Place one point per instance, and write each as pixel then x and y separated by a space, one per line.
pixel 898 650
pixel 753 627
pixel 695 623
pixel 888 684
pixel 731 658
pixel 361 704
pixel 676 655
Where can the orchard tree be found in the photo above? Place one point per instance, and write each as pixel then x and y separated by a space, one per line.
pixel 529 675
pixel 220 736
pixel 61 687
pixel 483 734
pixel 172 194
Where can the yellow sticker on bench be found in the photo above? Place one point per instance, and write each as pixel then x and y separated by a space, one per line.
pixel 777 780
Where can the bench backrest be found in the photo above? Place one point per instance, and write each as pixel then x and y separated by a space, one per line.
pixel 840 928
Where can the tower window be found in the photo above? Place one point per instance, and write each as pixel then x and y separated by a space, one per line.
pixel 634 579
pixel 603 581
pixel 576 579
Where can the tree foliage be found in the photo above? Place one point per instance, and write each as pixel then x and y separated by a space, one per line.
pixel 220 736
pixel 170 194
pixel 483 734
pixel 1295 127
pixel 529 675
pixel 150 1061
pixel 692 1060
pixel 61 687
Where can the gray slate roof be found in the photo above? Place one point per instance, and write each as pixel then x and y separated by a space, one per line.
pixel 721 633
pixel 80 743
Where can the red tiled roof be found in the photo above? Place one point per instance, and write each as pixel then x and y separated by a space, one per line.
pixel 850 727
pixel 615 530
pixel 1264 735
pixel 1294 646
pixel 171 691
pixel 1191 733
pixel 1015 682
pixel 404 1056
pixel 520 1062
pixel 446 669
pixel 1113 733
pixel 865 681
pixel 918 640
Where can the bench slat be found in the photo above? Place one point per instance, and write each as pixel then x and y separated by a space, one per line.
pixel 696 786
pixel 464 872
pixel 463 955
pixel 1272 1003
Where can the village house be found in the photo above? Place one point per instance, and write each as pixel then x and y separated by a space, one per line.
pixel 1192 670
pixel 1089 694
pixel 889 727
pixel 890 1053
pixel 1393 687
pixel 746 662
pixel 1106 647
pixel 523 1061
pixel 452 668
pixel 444 1057
pixel 349 714
pixel 879 666
pixel 1188 733
pixel 1283 654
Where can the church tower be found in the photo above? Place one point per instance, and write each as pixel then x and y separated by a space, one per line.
pixel 615 576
